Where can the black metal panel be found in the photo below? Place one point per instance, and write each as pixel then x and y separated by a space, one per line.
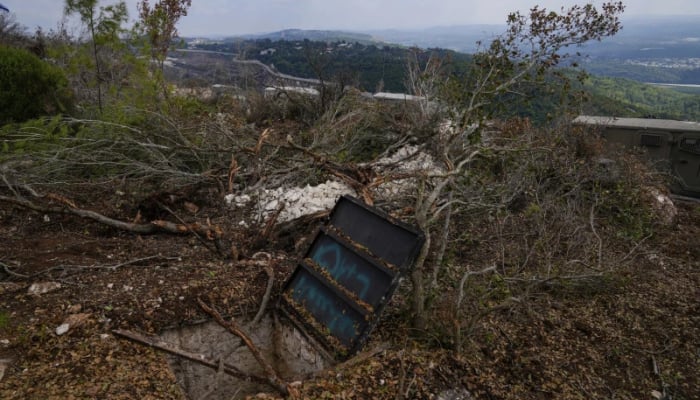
pixel 342 320
pixel 359 275
pixel 382 235
pixel 338 292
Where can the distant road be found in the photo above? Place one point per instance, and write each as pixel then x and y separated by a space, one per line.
pixel 675 84
pixel 255 62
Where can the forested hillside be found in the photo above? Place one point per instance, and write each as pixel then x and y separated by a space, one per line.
pixel 628 98
pixel 370 67
pixel 377 68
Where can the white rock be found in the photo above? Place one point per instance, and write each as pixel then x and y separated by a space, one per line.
pixel 301 201
pixel 43 287
pixel 294 196
pixel 272 206
pixel 4 365
pixel 664 206
pixel 63 328
pixel 238 201
pixel 242 200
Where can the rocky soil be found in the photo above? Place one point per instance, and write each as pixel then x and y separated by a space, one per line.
pixel 66 284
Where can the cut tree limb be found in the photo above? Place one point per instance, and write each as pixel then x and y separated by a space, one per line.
pixel 157 226
pixel 273 378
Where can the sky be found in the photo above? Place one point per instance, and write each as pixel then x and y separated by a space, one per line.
pixel 232 17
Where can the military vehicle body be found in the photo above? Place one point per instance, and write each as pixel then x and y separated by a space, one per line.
pixel 673 146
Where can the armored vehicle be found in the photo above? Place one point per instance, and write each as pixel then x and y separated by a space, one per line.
pixel 673 146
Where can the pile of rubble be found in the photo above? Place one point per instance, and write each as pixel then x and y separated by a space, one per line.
pixel 295 202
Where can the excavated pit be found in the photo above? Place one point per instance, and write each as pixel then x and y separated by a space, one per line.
pixel 282 345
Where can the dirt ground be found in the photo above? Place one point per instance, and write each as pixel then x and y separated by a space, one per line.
pixel 638 338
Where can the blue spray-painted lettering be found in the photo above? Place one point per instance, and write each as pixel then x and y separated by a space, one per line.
pixel 319 301
pixel 343 270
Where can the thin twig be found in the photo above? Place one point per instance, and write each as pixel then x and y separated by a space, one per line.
pixel 7 269
pixel 267 231
pixel 402 378
pixel 200 238
pixel 634 249
pixel 595 232
pixel 266 298
pixel 460 296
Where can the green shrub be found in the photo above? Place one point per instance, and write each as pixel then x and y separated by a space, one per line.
pixel 29 87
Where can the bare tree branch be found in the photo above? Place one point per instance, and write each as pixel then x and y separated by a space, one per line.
pixel 273 378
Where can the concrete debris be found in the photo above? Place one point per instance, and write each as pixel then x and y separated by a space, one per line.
pixel 663 206
pixel 409 159
pixel 406 160
pixel 238 201
pixel 300 201
pixel 43 287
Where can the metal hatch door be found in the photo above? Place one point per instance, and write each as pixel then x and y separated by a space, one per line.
pixel 686 163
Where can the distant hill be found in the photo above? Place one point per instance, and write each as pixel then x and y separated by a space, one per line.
pixel 461 38
pixel 370 66
pixel 659 49
pixel 628 98
pixel 313 35
pixel 651 37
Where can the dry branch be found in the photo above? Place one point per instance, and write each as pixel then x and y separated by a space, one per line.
pixel 273 378
pixel 232 172
pixel 266 298
pixel 10 272
pixel 196 234
pixel 157 226
pixel 194 357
